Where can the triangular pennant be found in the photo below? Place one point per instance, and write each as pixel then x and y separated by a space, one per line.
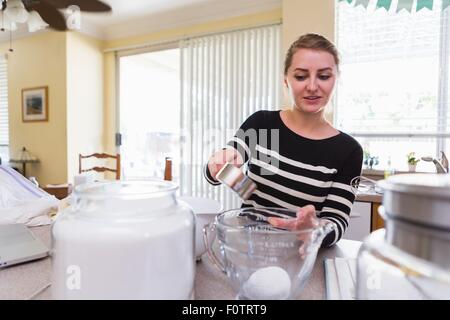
pixel 405 4
pixel 384 4
pixel 364 3
pixel 424 4
pixel 401 5
pixel 445 4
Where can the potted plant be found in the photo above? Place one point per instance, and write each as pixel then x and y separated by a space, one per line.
pixel 412 161
pixel 370 160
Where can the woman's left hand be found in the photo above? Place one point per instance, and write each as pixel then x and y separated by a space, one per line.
pixel 306 219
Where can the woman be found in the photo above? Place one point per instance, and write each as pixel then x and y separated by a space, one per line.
pixel 310 164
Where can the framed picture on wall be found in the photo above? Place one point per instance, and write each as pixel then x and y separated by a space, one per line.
pixel 35 104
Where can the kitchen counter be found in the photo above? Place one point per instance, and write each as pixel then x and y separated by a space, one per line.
pixel 369 197
pixel 25 280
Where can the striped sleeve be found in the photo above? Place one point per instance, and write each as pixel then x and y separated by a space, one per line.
pixel 339 201
pixel 209 177
pixel 246 137
pixel 243 141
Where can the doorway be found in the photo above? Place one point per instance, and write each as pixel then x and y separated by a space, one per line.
pixel 149 112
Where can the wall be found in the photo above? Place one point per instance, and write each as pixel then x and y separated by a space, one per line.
pixel 71 65
pixel 39 61
pixel 84 98
pixel 109 107
pixel 306 16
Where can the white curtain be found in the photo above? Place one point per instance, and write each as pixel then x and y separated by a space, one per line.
pixel 224 79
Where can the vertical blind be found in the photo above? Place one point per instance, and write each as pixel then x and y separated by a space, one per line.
pixel 224 79
pixel 4 135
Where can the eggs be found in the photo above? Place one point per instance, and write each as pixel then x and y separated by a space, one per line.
pixel 270 283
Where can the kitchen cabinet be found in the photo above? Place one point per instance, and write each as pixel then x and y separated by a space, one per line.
pixel 364 219
pixel 360 221
pixel 377 221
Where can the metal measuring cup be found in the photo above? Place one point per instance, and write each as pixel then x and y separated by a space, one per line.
pixel 236 180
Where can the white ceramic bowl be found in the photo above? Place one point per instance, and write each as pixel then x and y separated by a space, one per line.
pixel 205 211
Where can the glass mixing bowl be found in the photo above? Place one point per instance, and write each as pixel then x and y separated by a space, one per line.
pixel 261 261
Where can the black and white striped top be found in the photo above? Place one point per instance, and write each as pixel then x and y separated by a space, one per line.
pixel 292 171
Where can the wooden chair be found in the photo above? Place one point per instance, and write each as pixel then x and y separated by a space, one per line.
pixel 168 169
pixel 101 169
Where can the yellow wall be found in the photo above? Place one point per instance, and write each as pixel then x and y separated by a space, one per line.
pixel 84 98
pixel 306 16
pixel 71 65
pixel 39 61
pixel 109 107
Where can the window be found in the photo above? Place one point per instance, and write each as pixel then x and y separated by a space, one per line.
pixel 187 102
pixel 149 112
pixel 225 78
pixel 393 90
pixel 4 127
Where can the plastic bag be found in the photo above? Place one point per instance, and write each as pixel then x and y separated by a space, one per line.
pixel 21 201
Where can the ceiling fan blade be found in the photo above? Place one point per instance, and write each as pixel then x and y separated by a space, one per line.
pixel 84 5
pixel 50 15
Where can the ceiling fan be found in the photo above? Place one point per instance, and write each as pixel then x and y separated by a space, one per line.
pixel 48 9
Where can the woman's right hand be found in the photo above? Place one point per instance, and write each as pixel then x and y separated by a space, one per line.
pixel 221 157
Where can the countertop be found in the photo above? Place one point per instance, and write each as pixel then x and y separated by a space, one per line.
pixel 369 197
pixel 25 280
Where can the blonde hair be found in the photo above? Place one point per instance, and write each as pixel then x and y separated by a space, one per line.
pixel 310 41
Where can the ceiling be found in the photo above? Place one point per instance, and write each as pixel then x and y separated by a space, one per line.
pixel 132 9
pixel 143 16
pixel 135 17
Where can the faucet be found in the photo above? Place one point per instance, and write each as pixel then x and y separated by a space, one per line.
pixel 441 164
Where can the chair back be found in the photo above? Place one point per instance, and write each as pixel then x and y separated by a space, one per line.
pixel 168 169
pixel 100 168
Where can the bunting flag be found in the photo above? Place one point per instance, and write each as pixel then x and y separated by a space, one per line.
pixel 445 4
pixel 424 4
pixel 386 4
pixel 401 4
pixel 364 3
pixel 404 4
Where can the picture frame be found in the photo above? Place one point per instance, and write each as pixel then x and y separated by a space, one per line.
pixel 35 104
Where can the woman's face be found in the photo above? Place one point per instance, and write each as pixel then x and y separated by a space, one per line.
pixel 310 79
